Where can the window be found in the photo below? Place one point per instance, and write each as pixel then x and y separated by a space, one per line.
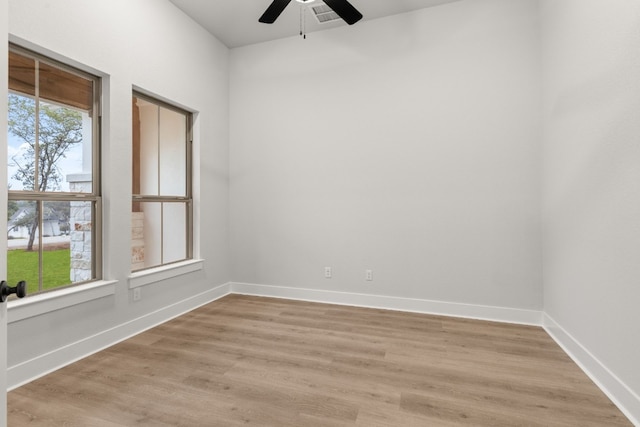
pixel 162 204
pixel 53 223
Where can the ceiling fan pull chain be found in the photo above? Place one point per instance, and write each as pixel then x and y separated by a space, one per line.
pixel 303 21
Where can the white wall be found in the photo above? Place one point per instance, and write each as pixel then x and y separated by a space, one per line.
pixel 408 145
pixel 591 181
pixel 152 46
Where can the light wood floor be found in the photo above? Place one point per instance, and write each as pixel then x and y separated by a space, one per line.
pixel 269 362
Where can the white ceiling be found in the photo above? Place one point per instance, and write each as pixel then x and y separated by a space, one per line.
pixel 235 22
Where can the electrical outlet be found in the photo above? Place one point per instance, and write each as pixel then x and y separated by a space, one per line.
pixel 328 272
pixel 137 294
pixel 368 275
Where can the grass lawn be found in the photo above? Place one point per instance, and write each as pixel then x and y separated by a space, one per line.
pixel 23 265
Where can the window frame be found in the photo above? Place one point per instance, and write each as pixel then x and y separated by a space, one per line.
pixel 187 199
pixel 95 196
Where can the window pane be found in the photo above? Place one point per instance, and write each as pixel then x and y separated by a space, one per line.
pixel 80 234
pixel 21 142
pixel 137 238
pixel 64 149
pixel 62 87
pixel 22 74
pixel 174 243
pixel 173 159
pixel 158 233
pixel 66 247
pixel 147 152
pixel 23 244
pixel 151 248
pixel 55 244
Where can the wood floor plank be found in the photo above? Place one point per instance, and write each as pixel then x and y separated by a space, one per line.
pixel 246 360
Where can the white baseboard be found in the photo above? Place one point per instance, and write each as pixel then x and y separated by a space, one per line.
pixel 37 367
pixel 482 312
pixel 619 393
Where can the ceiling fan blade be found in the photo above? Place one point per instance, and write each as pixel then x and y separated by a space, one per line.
pixel 345 10
pixel 273 11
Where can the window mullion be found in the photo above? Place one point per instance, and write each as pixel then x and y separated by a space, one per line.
pixel 162 233
pixel 36 142
pixel 40 210
pixel 159 151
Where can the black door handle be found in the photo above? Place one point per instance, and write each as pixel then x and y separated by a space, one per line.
pixel 5 290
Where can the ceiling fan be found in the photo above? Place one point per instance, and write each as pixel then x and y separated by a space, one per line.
pixel 342 8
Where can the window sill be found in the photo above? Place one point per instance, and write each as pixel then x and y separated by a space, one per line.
pixel 153 275
pixel 59 299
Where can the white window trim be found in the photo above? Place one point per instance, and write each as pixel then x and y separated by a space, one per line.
pixel 164 272
pixel 42 303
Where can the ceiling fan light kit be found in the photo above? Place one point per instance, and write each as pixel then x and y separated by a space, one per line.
pixel 342 8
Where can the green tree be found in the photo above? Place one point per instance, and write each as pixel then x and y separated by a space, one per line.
pixel 49 132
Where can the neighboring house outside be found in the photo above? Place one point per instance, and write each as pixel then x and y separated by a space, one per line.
pixel 18 227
